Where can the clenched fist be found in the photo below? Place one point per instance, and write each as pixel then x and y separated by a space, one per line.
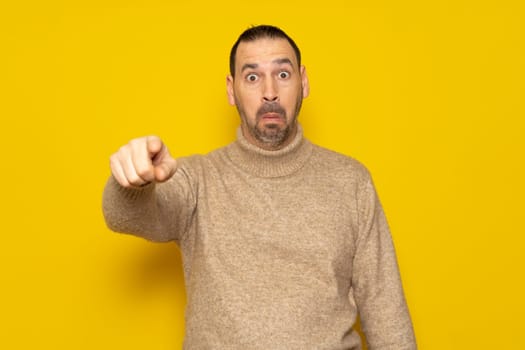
pixel 141 161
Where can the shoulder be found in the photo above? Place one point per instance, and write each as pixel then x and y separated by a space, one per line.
pixel 339 165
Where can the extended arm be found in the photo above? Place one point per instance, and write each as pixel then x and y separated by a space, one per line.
pixel 146 195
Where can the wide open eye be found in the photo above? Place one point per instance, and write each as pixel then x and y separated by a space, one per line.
pixel 284 75
pixel 252 78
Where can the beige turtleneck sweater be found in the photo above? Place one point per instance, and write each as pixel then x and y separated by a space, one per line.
pixel 281 249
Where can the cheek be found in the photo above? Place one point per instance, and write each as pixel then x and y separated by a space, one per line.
pixel 248 100
pixel 291 100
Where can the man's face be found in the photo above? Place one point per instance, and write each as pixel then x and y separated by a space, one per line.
pixel 267 90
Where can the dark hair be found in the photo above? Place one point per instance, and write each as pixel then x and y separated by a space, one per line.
pixel 261 32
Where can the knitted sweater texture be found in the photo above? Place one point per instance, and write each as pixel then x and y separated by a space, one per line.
pixel 281 249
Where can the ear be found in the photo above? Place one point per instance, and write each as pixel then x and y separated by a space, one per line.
pixel 304 82
pixel 229 90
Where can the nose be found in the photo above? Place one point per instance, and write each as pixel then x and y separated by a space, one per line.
pixel 270 91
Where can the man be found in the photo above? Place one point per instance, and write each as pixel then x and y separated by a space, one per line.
pixel 283 242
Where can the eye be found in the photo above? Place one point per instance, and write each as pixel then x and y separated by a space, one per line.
pixel 252 77
pixel 284 74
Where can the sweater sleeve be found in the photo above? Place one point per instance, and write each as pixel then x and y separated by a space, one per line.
pixel 157 212
pixel 376 280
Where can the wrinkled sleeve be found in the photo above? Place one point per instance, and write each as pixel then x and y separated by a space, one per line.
pixel 376 280
pixel 157 212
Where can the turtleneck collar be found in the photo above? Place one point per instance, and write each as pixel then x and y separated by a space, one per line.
pixel 264 163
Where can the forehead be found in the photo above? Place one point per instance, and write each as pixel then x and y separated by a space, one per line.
pixel 264 50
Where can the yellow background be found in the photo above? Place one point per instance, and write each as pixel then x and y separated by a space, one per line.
pixel 428 94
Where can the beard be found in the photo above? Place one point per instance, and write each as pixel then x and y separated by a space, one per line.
pixel 272 134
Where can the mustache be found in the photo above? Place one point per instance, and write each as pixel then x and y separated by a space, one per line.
pixel 271 108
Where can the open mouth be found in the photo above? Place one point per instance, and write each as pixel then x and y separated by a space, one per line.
pixel 271 116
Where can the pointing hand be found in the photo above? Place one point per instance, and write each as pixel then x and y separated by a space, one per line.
pixel 141 161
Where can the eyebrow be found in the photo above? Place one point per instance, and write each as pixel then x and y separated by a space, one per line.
pixel 283 61
pixel 276 61
pixel 249 66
